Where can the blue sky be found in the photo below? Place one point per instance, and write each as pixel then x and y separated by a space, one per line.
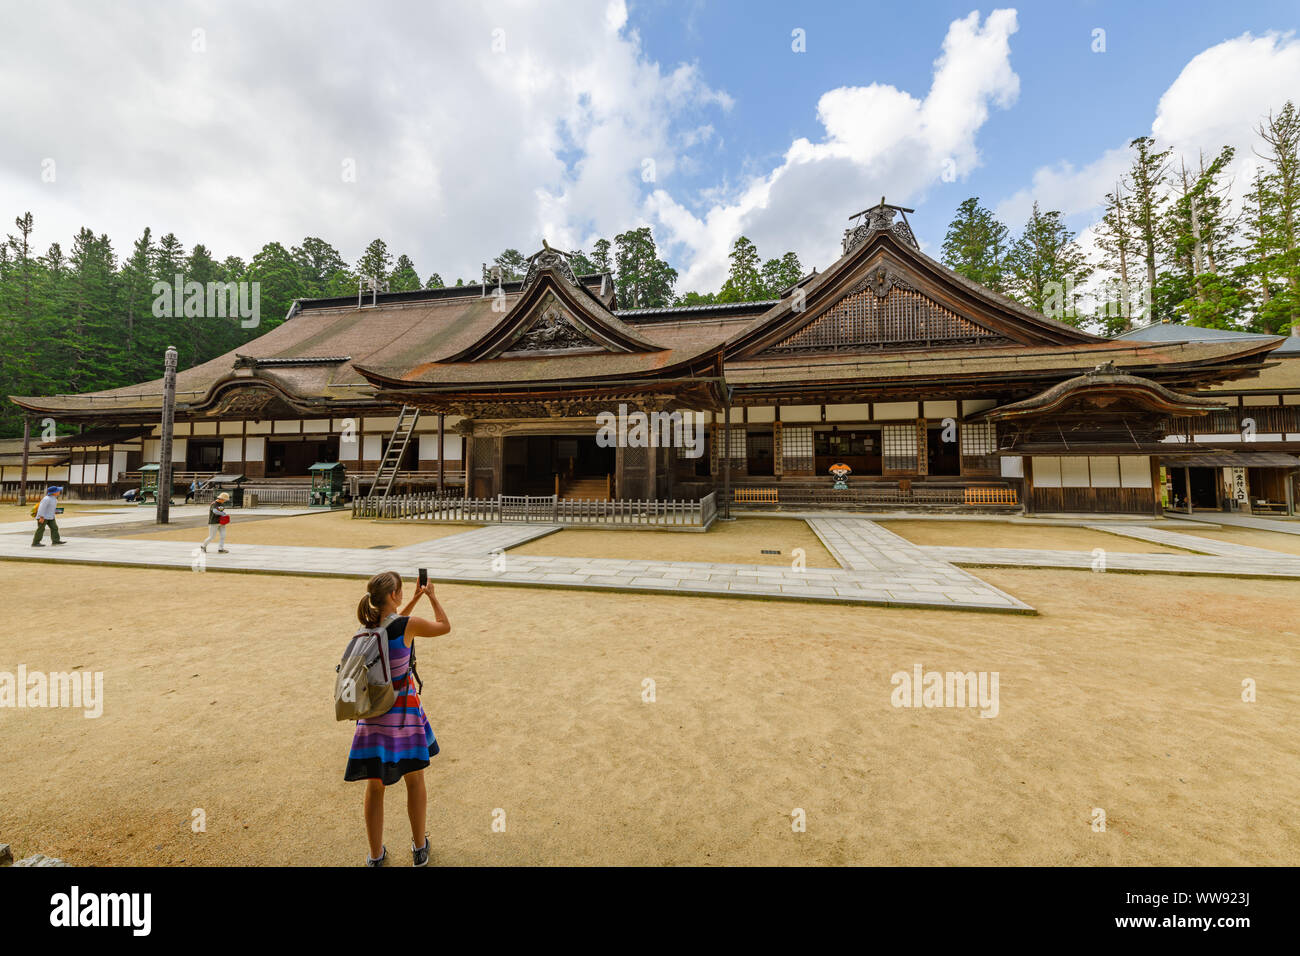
pixel 1073 103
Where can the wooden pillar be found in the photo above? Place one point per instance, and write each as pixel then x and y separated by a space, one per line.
pixel 442 452
pixel 778 457
pixel 165 455
pixel 1187 485
pixel 726 459
pixel 27 443
pixel 1157 487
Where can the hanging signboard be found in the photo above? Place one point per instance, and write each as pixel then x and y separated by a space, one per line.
pixel 1240 490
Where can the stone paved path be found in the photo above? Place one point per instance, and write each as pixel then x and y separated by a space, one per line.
pixel 1228 519
pixel 883 569
pixel 1189 542
pixel 479 541
pixel 1275 565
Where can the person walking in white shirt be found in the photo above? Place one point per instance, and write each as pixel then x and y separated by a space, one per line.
pixel 45 515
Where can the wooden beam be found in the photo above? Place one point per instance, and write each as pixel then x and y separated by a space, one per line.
pixel 165 454
pixel 442 452
pixel 27 444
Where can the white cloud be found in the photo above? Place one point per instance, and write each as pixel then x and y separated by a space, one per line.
pixel 1217 100
pixel 472 126
pixel 878 139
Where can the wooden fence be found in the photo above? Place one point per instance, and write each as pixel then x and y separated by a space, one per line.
pixel 887 494
pixel 543 509
pixel 279 494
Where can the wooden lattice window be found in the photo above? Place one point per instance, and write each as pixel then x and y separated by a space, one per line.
pixel 979 445
pixel 902 318
pixel 797 449
pixel 737 443
pixel 898 445
pixel 979 438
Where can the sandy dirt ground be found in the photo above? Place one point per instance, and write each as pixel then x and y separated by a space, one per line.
pixel 727 542
pixel 994 534
pixel 1123 694
pixel 12 512
pixel 1272 540
pixel 332 529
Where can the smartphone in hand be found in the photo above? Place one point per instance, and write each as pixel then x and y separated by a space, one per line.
pixel 424 576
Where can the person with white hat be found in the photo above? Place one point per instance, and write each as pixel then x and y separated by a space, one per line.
pixel 217 521
pixel 45 514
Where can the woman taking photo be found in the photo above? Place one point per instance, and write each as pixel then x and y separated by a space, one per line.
pixel 396 745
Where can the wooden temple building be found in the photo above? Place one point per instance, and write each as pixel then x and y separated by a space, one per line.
pixel 933 390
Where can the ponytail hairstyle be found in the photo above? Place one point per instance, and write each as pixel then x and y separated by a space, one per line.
pixel 378 589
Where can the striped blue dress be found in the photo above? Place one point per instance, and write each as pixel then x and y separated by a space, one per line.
pixel 394 744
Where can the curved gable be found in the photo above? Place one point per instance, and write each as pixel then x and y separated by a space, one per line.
pixel 885 295
pixel 551 316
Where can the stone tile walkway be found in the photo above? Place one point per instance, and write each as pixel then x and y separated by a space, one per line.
pixel 479 541
pixel 1189 542
pixel 881 568
pixel 1274 565
pixel 1282 525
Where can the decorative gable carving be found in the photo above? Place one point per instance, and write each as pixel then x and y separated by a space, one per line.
pixel 552 330
pixel 884 311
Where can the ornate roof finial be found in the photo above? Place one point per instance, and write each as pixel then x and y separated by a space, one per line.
pixel 878 218
pixel 549 258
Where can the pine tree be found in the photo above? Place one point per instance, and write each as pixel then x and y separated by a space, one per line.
pixel 1277 222
pixel 1122 297
pixel 975 245
pixel 281 282
pixel 404 278
pixel 136 281
pixel 318 261
pixel 744 280
pixel 512 264
pixel 1045 266
pixel 644 280
pixel 376 262
pixel 600 256
pixel 90 344
pixel 1200 237
pixel 1147 185
pixel 780 274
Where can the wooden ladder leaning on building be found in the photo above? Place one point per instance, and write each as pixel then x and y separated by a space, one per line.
pixel 392 460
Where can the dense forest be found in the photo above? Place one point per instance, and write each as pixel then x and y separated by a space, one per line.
pixel 1171 244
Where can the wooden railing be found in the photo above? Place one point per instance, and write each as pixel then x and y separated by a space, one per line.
pixel 178 477
pixel 543 509
pixel 359 481
pixel 889 494
pixel 279 494
pixel 977 495
pixel 1266 420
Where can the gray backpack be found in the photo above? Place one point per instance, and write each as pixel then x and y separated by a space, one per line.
pixel 363 685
